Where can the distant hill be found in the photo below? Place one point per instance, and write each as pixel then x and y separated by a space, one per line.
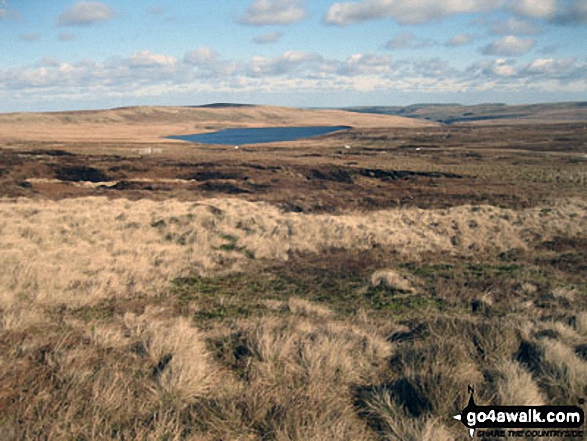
pixel 153 124
pixel 484 113
pixel 220 106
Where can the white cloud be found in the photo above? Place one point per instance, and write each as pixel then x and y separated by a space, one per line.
pixel 148 59
pixel 430 68
pixel 208 64
pixel 459 40
pixel 535 8
pixel 203 62
pixel 146 74
pixel 290 63
pixel 490 69
pixel 201 56
pixel 269 38
pixel 365 64
pixel 543 65
pixel 271 12
pixel 407 40
pixel 85 13
pixel 562 12
pixel 502 69
pixel 575 14
pixel 557 68
pixel 509 46
pixel 514 26
pixel 405 12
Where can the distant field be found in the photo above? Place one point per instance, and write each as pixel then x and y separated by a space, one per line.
pixel 345 287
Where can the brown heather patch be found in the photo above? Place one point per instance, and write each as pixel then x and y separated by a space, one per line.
pixel 386 167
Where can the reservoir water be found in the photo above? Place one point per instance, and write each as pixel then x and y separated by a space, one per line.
pixel 259 135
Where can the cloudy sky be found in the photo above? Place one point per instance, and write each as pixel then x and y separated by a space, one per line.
pixel 67 54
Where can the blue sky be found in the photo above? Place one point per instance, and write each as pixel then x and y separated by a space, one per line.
pixel 65 54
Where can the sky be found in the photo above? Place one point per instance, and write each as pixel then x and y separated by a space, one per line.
pixel 67 55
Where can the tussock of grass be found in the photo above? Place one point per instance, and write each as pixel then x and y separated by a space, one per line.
pixel 515 385
pixel 133 377
pixel 307 351
pixel 178 354
pixel 563 372
pixel 303 307
pixel 391 279
pixel 20 318
pixel 395 424
pixel 297 372
pixel 565 293
pixel 581 323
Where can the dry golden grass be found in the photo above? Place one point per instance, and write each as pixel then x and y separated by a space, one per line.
pixel 79 251
pixel 70 368
pixel 563 369
pixel 304 374
pixel 189 374
pixel 297 375
pixel 395 425
pixel 391 279
pixel 515 385
pixel 152 124
pixel 581 323
pixel 303 307
pixel 128 378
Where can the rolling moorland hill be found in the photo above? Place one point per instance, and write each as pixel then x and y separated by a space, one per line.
pixel 152 124
pixel 495 113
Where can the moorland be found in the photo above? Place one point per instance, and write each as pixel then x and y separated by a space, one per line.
pixel 345 287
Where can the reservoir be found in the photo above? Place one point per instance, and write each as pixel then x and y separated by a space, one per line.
pixel 259 135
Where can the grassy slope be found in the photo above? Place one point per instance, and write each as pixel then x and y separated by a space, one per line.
pixel 232 320
pixel 496 113
pixel 152 124
pixel 228 319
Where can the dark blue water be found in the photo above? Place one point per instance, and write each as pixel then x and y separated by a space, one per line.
pixel 259 135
